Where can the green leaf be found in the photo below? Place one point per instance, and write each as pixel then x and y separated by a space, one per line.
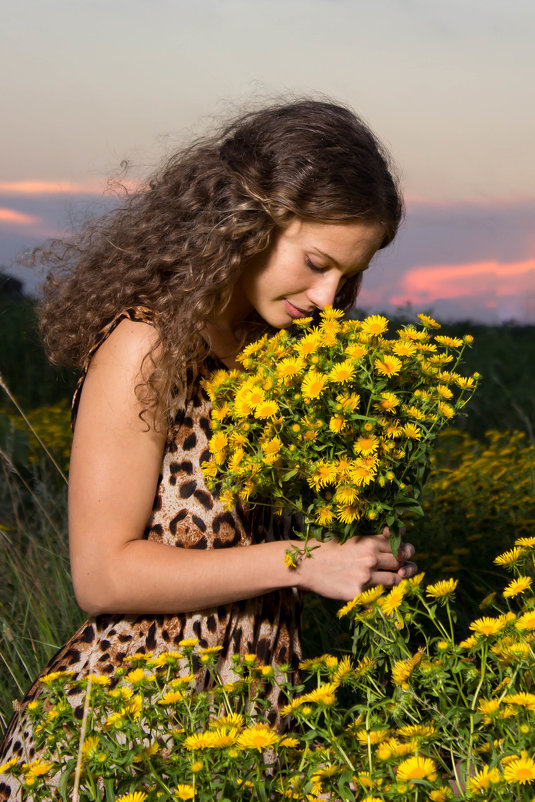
pixel 67 775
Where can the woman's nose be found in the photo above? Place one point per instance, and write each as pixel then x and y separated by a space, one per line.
pixel 323 291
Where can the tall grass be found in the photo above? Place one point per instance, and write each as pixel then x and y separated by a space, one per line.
pixel 37 607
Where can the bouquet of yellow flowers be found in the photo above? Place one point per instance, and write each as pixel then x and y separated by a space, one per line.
pixel 335 421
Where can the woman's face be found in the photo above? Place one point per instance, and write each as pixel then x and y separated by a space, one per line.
pixel 303 269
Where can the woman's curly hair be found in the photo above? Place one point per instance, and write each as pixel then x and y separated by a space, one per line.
pixel 178 245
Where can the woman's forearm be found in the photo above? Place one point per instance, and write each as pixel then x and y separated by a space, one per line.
pixel 148 577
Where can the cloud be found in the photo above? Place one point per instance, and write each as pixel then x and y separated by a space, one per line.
pixel 13 217
pixel 425 284
pixel 39 188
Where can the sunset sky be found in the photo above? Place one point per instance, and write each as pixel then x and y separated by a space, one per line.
pixel 88 85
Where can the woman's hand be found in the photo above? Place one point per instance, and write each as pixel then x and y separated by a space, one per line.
pixel 341 571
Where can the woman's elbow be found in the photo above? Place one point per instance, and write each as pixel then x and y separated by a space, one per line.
pixel 92 593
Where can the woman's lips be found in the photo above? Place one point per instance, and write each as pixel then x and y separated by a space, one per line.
pixel 294 311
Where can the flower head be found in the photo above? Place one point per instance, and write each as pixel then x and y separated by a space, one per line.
pixel 417 768
pixel 442 589
pixel 520 770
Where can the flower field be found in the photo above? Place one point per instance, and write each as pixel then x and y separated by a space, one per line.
pixel 421 693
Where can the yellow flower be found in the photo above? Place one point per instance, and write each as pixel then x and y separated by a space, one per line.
pixel 388 402
pixel 242 404
pixel 345 494
pixel 289 367
pixel 188 642
pixel 465 382
pixel 217 442
pixel 517 586
pixel 324 515
pixel 362 474
pixel 375 324
pixel 412 431
pixel 488 708
pixel 526 621
pixel 289 559
pixel 322 695
pixel 483 779
pixel 136 796
pixel 393 747
pixel 417 730
pixel 442 589
pixel 388 365
pixel 428 322
pixel 446 409
pixel 136 675
pixel 337 423
pixel 209 469
pixel 415 413
pixel 449 342
pixel 509 557
pixel 526 700
pixel 270 450
pixel 257 737
pixel 37 768
pixel 441 794
pixel 5 767
pixel 223 737
pixel 48 679
pixel 325 474
pixel 98 679
pixel 184 791
pixel 331 313
pixel 89 747
pixel 356 350
pixel 289 742
pixel 393 600
pixel 171 698
pixel 366 444
pixel 256 396
pixel 488 626
pixel 313 384
pixel 404 348
pixel 348 514
pixel 520 770
pixel 402 669
pixel 135 706
pixel 267 409
pixel 342 670
pixel 371 736
pixel 444 391
pixel 526 542
pixel 417 768
pixel 342 372
pixel 197 741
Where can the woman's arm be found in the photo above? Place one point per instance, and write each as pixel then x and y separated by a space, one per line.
pixel 114 472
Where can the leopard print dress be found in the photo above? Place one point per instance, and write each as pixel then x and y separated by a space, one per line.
pixel 184 515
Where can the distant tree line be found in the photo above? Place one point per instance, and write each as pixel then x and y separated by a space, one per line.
pixel 502 354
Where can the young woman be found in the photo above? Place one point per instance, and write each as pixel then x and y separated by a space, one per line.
pixel 275 217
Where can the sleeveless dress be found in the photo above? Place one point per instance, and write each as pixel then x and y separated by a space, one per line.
pixel 184 515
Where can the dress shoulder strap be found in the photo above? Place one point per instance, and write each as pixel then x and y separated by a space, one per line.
pixel 138 314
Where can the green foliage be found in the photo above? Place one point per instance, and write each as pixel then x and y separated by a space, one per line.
pixel 23 362
pixel 37 608
pixel 449 720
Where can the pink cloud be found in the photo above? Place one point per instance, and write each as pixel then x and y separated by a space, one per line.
pixel 426 284
pixel 60 187
pixel 13 217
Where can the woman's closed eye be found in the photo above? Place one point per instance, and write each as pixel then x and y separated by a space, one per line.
pixel 314 267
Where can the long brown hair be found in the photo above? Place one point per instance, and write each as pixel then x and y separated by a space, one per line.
pixel 179 244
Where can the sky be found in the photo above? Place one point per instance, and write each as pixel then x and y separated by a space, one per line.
pixel 89 86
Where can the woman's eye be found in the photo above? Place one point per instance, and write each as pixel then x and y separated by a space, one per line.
pixel 313 266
